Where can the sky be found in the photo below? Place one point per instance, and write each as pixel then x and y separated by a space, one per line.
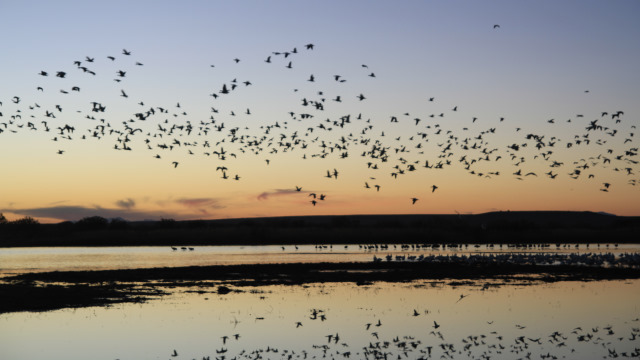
pixel 553 88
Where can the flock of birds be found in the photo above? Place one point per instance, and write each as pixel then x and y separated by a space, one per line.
pixel 518 254
pixel 168 131
pixel 588 259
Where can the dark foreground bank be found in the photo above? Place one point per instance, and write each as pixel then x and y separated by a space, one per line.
pixel 522 227
pixel 56 290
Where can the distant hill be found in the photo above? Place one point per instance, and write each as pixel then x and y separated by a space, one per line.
pixel 539 218
pixel 494 220
pixel 491 227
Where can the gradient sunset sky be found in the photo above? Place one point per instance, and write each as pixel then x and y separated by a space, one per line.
pixel 548 70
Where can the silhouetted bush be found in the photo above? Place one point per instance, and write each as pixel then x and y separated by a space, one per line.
pixel 118 224
pixel 3 220
pixel 26 223
pixel 92 223
pixel 166 223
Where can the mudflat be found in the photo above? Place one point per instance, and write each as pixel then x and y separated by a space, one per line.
pixel 56 290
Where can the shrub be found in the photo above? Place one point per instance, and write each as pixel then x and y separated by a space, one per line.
pixel 167 223
pixel 25 223
pixel 118 224
pixel 92 223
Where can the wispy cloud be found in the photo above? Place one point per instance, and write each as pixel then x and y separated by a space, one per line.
pixel 201 206
pixel 73 213
pixel 126 203
pixel 278 192
pixel 199 203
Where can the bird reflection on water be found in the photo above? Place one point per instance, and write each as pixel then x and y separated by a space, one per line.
pixel 457 332
pixel 376 321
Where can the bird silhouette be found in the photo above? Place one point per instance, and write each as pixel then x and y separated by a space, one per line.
pixel 324 138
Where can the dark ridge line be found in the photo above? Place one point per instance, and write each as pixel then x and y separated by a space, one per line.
pixel 530 227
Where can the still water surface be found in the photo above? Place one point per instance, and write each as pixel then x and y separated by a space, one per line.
pixel 39 259
pixel 399 320
pixel 572 320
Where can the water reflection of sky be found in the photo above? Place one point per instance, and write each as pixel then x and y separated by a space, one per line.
pixel 21 260
pixel 266 318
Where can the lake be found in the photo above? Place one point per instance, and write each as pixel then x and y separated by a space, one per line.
pixel 574 320
pixel 421 319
